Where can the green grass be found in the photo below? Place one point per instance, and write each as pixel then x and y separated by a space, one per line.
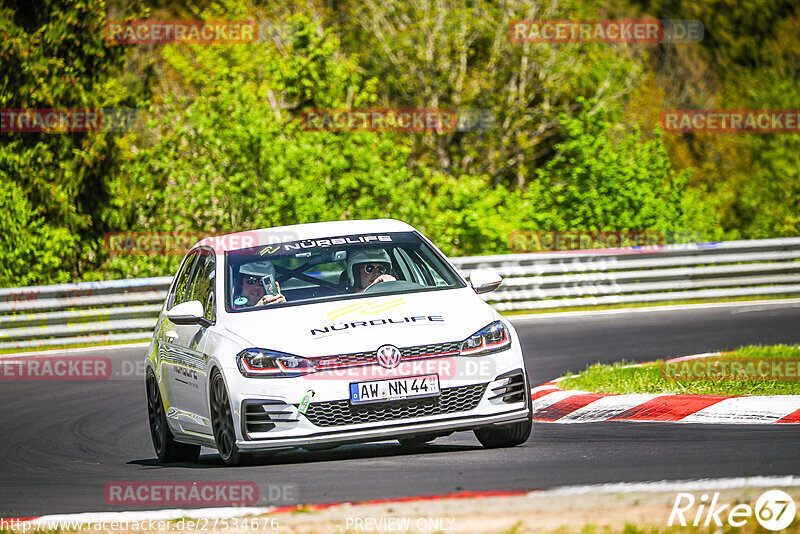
pixel 622 378
pixel 646 304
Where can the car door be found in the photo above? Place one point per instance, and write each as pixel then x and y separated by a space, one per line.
pixel 168 351
pixel 202 290
pixel 186 361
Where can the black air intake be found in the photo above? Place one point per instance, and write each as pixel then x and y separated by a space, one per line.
pixel 513 390
pixel 261 416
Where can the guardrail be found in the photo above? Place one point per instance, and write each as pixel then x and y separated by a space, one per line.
pixel 124 310
pixel 765 267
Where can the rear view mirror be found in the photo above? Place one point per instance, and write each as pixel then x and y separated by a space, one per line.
pixel 484 280
pixel 190 312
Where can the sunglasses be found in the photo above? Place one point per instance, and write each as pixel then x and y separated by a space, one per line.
pixel 368 268
pixel 252 280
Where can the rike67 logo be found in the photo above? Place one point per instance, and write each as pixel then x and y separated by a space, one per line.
pixel 774 510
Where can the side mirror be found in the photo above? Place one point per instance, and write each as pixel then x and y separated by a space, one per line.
pixel 188 313
pixel 484 280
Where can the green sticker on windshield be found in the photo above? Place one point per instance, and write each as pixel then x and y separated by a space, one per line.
pixel 241 300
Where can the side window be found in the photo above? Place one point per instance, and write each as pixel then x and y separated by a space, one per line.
pixel 432 277
pixel 433 273
pixel 202 287
pixel 407 264
pixel 180 292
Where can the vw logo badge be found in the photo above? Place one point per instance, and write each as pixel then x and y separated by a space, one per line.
pixel 388 356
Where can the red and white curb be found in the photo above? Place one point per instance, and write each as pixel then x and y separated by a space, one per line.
pixel 551 404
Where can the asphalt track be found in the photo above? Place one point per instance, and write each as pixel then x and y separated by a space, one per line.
pixel 61 442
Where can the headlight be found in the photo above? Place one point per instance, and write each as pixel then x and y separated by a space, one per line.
pixel 493 338
pixel 273 364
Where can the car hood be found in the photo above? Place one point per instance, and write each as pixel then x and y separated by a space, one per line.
pixel 364 324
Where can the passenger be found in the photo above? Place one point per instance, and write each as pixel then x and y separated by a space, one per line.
pixel 251 287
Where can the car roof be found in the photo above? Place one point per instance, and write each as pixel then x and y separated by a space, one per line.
pixel 297 232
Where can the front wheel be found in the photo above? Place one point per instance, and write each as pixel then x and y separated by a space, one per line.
pixel 222 423
pixel 167 449
pixel 505 435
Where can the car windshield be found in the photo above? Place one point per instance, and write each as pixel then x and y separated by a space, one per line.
pixel 334 268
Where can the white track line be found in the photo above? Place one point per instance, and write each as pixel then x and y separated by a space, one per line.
pixel 646 309
pixel 606 408
pixel 747 410
pixel 678 485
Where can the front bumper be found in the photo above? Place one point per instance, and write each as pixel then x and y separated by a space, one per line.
pixel 504 400
pixel 473 395
pixel 388 431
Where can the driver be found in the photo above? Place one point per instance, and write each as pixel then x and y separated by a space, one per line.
pixel 366 268
pixel 251 290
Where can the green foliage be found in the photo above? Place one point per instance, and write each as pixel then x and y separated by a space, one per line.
pixel 606 179
pixel 748 59
pixel 53 55
pixel 236 156
pixel 764 198
pixel 30 246
pixel 224 147
pixel 458 56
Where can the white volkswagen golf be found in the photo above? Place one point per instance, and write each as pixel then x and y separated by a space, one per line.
pixel 318 335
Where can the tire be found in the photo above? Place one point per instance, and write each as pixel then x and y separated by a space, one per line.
pixel 416 440
pixel 222 424
pixel 167 449
pixel 504 436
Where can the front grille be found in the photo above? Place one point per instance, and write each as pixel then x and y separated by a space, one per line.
pixel 363 358
pixel 436 348
pixel 339 413
pixel 368 357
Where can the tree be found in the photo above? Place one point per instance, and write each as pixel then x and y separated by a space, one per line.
pixel 458 55
pixel 602 179
pixel 53 55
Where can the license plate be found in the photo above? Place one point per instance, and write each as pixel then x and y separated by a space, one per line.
pixel 394 389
